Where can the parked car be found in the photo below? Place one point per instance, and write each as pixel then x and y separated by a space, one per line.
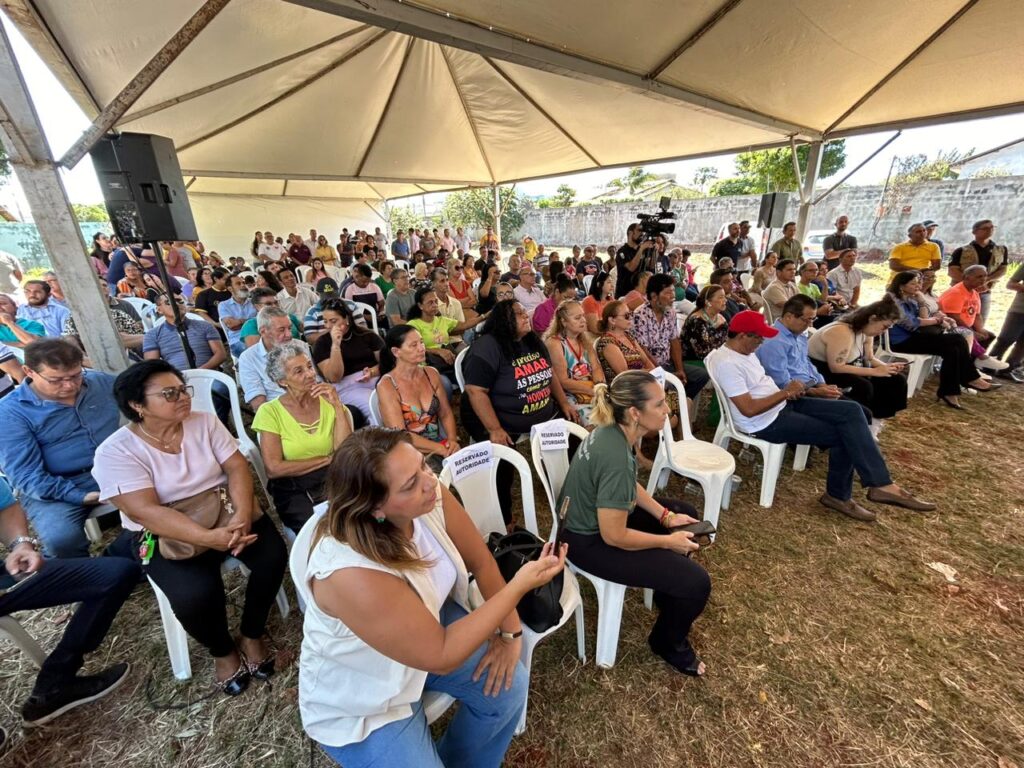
pixel 813 242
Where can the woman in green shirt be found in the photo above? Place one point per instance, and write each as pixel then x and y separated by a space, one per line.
pixel 383 280
pixel 435 328
pixel 617 531
pixel 298 432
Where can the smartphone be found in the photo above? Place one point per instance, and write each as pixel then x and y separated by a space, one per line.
pixel 560 531
pixel 21 579
pixel 703 528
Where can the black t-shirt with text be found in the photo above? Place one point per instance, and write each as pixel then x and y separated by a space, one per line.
pixel 208 301
pixel 519 387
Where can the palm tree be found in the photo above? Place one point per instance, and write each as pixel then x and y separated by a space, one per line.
pixel 634 179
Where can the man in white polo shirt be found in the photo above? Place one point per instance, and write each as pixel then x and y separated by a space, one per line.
pixel 527 293
pixel 761 409
pixel 270 249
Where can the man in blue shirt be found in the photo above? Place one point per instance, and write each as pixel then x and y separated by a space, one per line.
pixel 41 309
pixel 784 357
pixel 400 247
pixel 234 312
pixel 163 342
pixel 52 424
pixel 100 585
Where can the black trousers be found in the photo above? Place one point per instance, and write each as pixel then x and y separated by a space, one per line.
pixel 99 584
pixel 884 396
pixel 681 586
pixel 295 497
pixel 957 366
pixel 195 588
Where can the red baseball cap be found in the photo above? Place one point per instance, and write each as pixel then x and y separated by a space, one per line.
pixel 749 321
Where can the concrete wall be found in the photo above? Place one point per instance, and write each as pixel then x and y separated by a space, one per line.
pixel 954 204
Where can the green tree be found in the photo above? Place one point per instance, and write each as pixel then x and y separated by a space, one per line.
pixel 475 208
pixel 90 212
pixel 771 170
pixel 564 196
pixel 634 179
pixel 403 217
pixel 704 176
pixel 5 165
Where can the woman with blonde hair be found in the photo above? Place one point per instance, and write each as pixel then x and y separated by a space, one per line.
pixel 619 532
pixel 325 251
pixel 573 356
pixel 394 536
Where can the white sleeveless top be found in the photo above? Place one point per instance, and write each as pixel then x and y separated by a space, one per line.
pixel 816 344
pixel 347 689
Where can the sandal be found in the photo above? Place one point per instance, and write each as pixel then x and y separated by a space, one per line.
pixel 264 668
pixel 238 682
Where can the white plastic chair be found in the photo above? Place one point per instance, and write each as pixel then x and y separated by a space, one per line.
pixel 402 264
pixel 920 365
pixel 746 280
pixel 145 308
pixel 302 271
pixel 202 400
pixel 92 526
pixel 772 453
pixel 434 704
pixel 174 633
pixel 375 418
pixel 552 467
pixel 481 497
pixel 460 379
pixel 587 281
pixel 706 463
pixel 13 631
pixel 366 309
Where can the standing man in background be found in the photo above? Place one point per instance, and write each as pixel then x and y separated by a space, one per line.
pixel 747 261
pixel 837 242
pixel 982 250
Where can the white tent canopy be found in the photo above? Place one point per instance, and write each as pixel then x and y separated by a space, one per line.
pixel 344 99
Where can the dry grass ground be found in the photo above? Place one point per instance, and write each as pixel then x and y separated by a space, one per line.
pixel 828 642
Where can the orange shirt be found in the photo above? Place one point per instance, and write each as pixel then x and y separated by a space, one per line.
pixel 962 301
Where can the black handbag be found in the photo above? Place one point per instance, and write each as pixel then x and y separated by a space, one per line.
pixel 540 608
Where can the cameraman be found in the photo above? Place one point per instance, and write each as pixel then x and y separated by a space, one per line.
pixel 630 260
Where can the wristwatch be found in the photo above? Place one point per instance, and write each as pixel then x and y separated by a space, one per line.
pixel 24 540
pixel 508 637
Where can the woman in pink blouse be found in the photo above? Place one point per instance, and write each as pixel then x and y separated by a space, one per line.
pixel 167 453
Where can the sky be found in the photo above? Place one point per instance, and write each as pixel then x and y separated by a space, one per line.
pixel 63 122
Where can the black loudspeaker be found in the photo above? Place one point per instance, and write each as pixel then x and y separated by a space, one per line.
pixel 143 188
pixel 773 210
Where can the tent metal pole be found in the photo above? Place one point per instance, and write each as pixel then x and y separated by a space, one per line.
pixel 860 165
pixel 796 169
pixel 807 194
pixel 720 13
pixel 25 143
pixel 138 85
pixel 497 214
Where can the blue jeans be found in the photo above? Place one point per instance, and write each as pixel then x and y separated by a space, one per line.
pixel 100 584
pixel 61 524
pixel 840 426
pixel 477 736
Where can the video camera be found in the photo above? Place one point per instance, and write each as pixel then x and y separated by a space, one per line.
pixel 654 224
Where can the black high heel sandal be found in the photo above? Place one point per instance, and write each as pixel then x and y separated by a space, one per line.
pixel 949 403
pixel 264 668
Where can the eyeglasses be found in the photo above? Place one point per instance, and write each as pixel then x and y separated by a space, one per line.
pixel 457 268
pixel 173 394
pixel 627 316
pixel 72 379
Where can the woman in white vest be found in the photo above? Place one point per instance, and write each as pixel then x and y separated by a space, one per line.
pixel 390 619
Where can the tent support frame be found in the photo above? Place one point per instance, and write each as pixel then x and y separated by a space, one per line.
pixel 30 155
pixel 807 188
pixel 138 85
pixel 465 34
pixel 720 13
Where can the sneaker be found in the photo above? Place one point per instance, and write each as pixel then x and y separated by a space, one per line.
pixel 41 709
pixel 1017 374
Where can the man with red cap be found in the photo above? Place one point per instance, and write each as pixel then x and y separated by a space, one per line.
pixel 760 408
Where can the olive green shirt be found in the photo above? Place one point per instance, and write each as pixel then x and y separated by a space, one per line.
pixel 602 475
pixel 789 250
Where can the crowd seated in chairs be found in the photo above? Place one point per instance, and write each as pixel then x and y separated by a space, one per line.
pixel 392 534
pixel 761 408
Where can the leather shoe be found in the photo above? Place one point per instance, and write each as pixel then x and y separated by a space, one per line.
pixel 849 508
pixel 901 499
